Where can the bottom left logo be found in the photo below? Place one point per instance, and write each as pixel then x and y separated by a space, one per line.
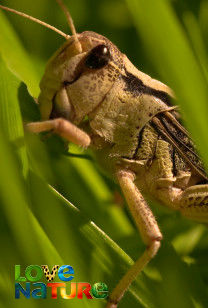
pixel 31 286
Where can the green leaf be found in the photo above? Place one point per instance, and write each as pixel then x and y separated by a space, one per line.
pixel 16 57
pixel 10 116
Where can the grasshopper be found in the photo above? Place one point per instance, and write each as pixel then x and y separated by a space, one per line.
pixel 93 96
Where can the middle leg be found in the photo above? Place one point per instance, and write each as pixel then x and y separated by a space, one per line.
pixel 148 228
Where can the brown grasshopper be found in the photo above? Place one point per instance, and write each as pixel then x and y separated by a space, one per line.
pixel 132 127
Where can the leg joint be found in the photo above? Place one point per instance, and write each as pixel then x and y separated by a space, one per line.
pixel 154 246
pixel 58 124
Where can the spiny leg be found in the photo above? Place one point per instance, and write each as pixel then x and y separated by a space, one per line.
pixel 63 128
pixel 148 229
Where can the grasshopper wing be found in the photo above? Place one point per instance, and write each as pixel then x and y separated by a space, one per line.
pixel 169 127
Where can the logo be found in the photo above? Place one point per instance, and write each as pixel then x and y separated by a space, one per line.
pixel 30 285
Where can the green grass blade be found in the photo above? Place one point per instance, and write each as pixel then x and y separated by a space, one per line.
pixel 16 57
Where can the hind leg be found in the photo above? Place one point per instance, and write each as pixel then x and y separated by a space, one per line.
pixel 194 203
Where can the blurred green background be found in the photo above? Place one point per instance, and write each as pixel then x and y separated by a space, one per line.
pixel 58 208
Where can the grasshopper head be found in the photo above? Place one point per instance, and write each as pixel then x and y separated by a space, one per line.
pixel 79 75
pixel 85 75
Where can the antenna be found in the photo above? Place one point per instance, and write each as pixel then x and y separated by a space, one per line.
pixel 36 20
pixel 70 23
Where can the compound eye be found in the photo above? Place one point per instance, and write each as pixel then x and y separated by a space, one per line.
pixel 98 57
